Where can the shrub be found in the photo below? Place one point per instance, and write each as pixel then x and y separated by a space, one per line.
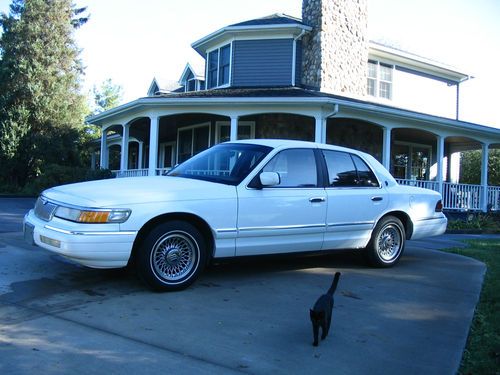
pixel 54 174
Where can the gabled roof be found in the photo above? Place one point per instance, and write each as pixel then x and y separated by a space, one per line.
pixel 276 23
pixel 198 73
pixel 161 86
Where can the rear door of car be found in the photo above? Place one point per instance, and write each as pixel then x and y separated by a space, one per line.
pixel 355 200
pixel 287 217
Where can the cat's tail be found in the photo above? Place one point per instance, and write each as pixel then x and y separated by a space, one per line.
pixel 334 284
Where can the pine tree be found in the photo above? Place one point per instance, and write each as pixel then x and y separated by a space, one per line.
pixel 41 108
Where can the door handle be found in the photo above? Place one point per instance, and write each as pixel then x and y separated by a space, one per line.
pixel 377 199
pixel 317 200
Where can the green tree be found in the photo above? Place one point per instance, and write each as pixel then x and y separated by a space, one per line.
pixel 107 96
pixel 41 108
pixel 470 167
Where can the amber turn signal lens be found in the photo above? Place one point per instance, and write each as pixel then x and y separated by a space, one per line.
pixel 94 217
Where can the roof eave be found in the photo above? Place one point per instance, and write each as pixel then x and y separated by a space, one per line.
pixel 198 45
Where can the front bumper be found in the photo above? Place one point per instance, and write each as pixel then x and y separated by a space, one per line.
pixel 102 246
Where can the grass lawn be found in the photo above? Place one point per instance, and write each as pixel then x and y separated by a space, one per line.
pixel 482 354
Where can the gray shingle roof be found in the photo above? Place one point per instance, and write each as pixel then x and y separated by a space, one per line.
pixel 273 19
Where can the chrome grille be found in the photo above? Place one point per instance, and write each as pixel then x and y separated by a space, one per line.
pixel 44 209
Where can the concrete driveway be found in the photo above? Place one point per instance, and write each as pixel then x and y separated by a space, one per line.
pixel 246 316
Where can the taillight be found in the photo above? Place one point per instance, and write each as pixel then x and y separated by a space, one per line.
pixel 439 206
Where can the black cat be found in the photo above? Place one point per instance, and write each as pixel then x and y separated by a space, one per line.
pixel 321 313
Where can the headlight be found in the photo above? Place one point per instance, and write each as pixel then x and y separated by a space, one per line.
pixel 92 216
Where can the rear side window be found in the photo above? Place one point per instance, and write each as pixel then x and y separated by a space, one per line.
pixel 347 170
pixel 366 177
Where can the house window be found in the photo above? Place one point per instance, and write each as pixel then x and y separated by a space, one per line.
pixel 246 130
pixel 380 77
pixel 224 65
pixel 411 161
pixel 192 140
pixel 219 66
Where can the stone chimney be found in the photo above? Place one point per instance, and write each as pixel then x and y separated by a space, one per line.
pixel 335 52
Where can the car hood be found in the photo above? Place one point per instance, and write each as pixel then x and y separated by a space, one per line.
pixel 123 192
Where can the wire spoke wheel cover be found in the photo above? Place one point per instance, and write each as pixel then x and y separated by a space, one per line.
pixel 174 256
pixel 389 242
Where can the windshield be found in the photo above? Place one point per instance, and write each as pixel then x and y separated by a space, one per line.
pixel 227 163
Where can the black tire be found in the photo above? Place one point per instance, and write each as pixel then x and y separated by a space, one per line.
pixel 172 256
pixel 387 243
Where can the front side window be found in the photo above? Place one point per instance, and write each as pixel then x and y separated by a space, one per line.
pixel 380 80
pixel 346 170
pixel 219 61
pixel 296 168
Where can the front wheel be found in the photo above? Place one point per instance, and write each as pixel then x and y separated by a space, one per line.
pixel 387 243
pixel 172 256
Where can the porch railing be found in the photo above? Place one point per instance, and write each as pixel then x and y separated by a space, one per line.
pixel 463 197
pixel 131 173
pixel 432 185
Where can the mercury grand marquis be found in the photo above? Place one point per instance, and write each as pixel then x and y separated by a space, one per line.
pixel 235 199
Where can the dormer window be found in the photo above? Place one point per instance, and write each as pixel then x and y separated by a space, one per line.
pixel 219 61
pixel 380 79
pixel 190 82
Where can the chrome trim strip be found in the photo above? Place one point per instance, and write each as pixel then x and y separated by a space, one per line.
pixel 83 233
pixel 354 223
pixel 227 230
pixel 430 218
pixel 274 227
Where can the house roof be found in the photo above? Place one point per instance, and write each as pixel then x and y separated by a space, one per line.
pixel 273 19
pixel 279 24
pixel 161 85
pixel 287 95
pixel 412 61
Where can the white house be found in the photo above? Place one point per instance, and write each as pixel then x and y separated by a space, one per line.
pixel 317 78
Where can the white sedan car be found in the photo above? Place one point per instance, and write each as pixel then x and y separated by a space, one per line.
pixel 235 199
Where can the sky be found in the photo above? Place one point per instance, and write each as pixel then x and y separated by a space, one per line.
pixel 132 41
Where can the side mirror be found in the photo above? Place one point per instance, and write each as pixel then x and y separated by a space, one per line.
pixel 268 179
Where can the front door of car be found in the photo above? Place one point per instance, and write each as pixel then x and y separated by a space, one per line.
pixel 288 216
pixel 355 200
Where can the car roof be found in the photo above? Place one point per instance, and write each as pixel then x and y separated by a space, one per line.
pixel 284 143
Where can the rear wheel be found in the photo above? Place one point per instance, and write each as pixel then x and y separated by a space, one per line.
pixel 387 243
pixel 172 256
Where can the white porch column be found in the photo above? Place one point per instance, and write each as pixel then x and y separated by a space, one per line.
pixel 140 163
pixel 233 136
pixel 440 158
pixel 124 151
pixel 484 177
pixel 153 144
pixel 320 129
pixel 104 149
pixel 386 149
